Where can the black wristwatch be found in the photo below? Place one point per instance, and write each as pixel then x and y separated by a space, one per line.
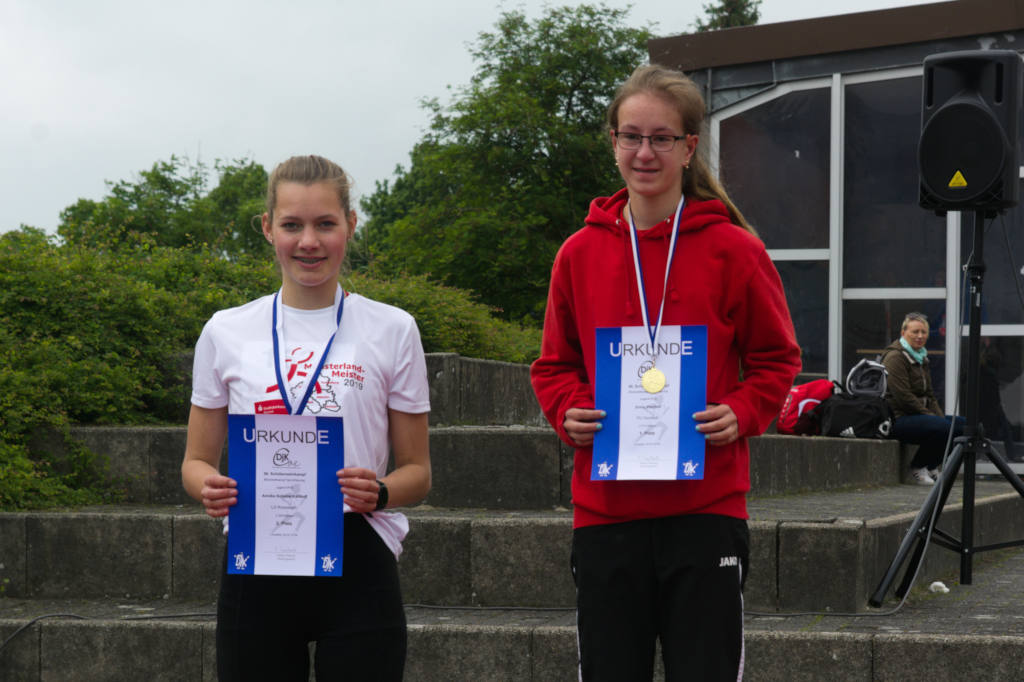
pixel 382 496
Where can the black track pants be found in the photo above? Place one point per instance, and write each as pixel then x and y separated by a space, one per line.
pixel 677 578
pixel 264 623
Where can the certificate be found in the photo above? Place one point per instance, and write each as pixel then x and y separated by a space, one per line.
pixel 649 435
pixel 289 516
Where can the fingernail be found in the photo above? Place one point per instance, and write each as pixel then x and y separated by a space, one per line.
pixel 603 414
pixel 600 426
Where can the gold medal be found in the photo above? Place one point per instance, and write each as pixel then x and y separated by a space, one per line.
pixel 653 380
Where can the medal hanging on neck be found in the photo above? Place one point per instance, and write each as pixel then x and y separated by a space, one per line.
pixel 653 380
pixel 315 377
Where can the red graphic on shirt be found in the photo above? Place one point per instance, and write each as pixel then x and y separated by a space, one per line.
pixel 270 407
pixel 297 370
pixel 345 370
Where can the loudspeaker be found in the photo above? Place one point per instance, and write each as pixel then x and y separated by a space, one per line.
pixel 970 130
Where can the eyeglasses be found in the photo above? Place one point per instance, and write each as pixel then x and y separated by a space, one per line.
pixel 659 143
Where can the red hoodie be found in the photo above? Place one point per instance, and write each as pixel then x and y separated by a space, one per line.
pixel 721 277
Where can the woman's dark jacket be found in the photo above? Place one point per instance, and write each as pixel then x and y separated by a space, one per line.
pixel 909 384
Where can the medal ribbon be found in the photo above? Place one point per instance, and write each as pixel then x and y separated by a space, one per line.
pixel 339 302
pixel 653 330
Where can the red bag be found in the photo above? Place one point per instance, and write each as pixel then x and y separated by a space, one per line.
pixel 798 412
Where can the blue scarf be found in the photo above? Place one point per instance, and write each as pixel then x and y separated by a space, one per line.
pixel 918 355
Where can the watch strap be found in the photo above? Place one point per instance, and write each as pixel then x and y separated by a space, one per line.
pixel 382 496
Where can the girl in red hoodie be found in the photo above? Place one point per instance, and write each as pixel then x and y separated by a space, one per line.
pixel 664 559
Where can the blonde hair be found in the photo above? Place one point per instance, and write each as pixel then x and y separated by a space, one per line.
pixel 308 170
pixel 913 317
pixel 677 90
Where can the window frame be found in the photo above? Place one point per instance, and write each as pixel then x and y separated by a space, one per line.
pixel 837 293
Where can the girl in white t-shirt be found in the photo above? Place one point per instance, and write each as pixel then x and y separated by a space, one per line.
pixel 374 376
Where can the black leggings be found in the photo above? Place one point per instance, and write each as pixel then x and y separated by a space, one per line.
pixel 265 623
pixel 678 579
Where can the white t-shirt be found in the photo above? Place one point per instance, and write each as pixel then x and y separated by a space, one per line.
pixel 376 362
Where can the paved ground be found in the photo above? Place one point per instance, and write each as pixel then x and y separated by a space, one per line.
pixel 993 604
pixel 864 504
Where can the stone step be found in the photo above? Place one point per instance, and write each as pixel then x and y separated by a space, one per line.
pixel 471 391
pixel 534 464
pixel 974 632
pixel 784 465
pixel 463 390
pixel 511 467
pixel 820 551
pixel 830 551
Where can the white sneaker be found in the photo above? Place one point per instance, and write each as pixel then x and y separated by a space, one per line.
pixel 934 473
pixel 921 476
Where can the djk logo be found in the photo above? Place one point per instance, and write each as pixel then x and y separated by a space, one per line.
pixel 282 459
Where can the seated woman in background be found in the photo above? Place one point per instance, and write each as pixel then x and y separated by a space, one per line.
pixel 919 418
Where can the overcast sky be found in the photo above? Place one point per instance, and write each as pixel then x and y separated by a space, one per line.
pixel 95 90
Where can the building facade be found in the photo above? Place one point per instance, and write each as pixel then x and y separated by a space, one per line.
pixel 814 128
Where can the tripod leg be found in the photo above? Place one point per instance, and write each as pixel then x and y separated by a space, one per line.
pixel 967 515
pixel 915 561
pixel 1004 468
pixel 913 535
pixel 948 476
pixel 942 488
pixel 919 531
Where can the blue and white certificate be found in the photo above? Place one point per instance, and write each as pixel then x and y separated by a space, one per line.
pixel 289 517
pixel 645 435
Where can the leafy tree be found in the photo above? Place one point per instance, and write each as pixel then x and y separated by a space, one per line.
pixel 168 205
pixel 235 202
pixel 506 171
pixel 729 14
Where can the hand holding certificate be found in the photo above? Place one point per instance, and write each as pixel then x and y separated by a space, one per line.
pixel 649 434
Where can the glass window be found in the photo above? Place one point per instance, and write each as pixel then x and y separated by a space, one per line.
pixel 1004 257
pixel 806 287
pixel 870 326
pixel 888 240
pixel 773 154
pixel 1000 391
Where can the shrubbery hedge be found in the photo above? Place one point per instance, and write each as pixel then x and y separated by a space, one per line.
pixel 104 336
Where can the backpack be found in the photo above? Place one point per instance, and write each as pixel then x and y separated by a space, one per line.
pixel 856 416
pixel 867 378
pixel 799 414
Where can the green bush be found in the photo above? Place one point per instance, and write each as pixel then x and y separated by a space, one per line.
pixel 104 336
pixel 450 321
pixel 34 381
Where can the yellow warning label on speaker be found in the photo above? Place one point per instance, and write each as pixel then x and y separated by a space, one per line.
pixel 958 180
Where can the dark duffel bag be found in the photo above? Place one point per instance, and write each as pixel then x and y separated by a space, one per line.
pixel 853 416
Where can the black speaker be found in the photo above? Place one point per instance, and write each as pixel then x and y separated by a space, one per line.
pixel 970 130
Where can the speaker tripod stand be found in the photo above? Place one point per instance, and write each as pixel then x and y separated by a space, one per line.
pixel 968 447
